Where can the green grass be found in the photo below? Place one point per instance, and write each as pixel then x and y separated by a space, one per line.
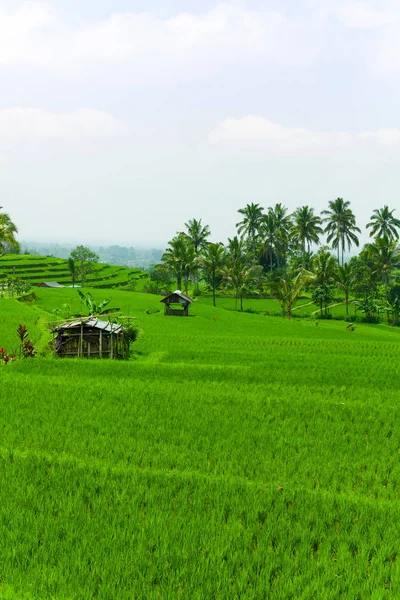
pixel 236 456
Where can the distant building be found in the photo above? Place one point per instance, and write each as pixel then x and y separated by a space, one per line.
pixel 49 284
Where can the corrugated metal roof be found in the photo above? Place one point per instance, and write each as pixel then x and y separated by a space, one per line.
pixel 94 323
pixel 52 284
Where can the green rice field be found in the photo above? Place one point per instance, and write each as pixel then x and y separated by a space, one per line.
pixel 36 269
pixel 235 456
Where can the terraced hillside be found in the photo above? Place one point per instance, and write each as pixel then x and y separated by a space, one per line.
pixel 36 269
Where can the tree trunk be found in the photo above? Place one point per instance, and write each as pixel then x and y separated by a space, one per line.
pixel 241 303
pixel 347 304
pixel 179 282
pixel 213 287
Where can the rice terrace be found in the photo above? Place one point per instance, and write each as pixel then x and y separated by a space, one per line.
pixel 250 449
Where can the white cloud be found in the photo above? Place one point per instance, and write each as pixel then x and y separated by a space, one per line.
pixel 256 130
pixel 32 123
pixel 35 35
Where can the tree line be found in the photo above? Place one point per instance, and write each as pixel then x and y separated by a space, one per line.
pixel 279 254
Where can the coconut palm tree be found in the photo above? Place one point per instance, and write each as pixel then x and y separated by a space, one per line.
pixel 384 223
pixel 344 276
pixel 242 279
pixel 340 226
pixel 249 227
pixel 306 228
pixel 324 266
pixel 269 236
pixel 286 290
pixel 212 260
pixel 7 233
pixel 180 258
pixel 198 234
pixel 384 257
pixel 274 232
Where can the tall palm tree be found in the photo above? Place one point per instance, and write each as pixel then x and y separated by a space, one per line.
pixel 269 236
pixel 274 232
pixel 180 258
pixel 344 276
pixel 340 226
pixel 197 233
pixel 283 225
pixel 7 233
pixel 384 223
pixel 249 226
pixel 212 260
pixel 306 228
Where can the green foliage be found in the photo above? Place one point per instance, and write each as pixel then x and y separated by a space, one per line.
pixel 94 307
pixel 83 262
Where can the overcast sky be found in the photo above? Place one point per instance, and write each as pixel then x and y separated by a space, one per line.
pixel 122 119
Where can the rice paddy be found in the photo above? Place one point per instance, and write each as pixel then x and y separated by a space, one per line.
pixel 235 456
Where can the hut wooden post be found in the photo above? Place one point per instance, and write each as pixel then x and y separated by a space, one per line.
pixel 101 344
pixel 111 345
pixel 81 340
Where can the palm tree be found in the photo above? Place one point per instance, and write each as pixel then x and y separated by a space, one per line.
pixel 249 227
pixel 324 266
pixel 306 228
pixel 242 279
pixel 198 234
pixel 212 261
pixel 269 233
pixel 340 225
pixel 180 258
pixel 344 276
pixel 286 290
pixel 235 249
pixel 274 233
pixel 7 233
pixel 283 225
pixel 384 223
pixel 384 257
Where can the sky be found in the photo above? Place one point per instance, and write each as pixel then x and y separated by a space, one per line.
pixel 120 120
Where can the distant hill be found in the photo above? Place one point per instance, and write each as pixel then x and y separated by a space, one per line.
pixel 36 269
pixel 113 255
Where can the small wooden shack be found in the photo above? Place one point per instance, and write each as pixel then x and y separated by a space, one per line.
pixel 49 284
pixel 177 304
pixel 92 338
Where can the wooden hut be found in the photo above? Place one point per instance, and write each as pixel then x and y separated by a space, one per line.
pixel 92 338
pixel 177 304
pixel 49 284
